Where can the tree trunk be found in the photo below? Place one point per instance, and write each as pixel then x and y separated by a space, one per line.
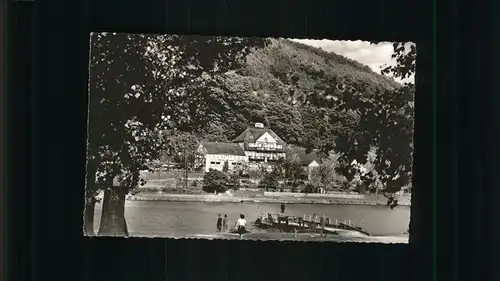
pixel 113 213
pixel 88 214
pixel 88 217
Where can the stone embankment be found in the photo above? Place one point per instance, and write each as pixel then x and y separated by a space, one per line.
pixel 274 197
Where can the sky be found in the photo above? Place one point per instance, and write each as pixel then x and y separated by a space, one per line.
pixel 375 56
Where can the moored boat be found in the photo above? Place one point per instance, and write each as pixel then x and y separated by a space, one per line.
pixel 290 224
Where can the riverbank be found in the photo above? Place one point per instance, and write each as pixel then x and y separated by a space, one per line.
pixel 225 198
pixel 306 237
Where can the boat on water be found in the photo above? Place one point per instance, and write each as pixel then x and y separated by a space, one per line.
pixel 279 227
pixel 292 227
pixel 293 224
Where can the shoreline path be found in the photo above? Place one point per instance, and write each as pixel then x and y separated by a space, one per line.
pixel 223 198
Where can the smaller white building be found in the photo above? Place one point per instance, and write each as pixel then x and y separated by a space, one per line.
pixel 310 167
pixel 308 160
pixel 216 155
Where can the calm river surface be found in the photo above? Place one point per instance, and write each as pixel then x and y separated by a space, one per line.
pixel 180 219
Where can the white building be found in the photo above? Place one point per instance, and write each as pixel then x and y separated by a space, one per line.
pixel 255 146
pixel 310 167
pixel 261 144
pixel 308 161
pixel 216 154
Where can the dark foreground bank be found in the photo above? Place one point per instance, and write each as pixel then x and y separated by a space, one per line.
pixel 304 237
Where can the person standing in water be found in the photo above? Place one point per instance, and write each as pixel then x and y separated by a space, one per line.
pixel 240 225
pixel 224 223
pixel 219 223
pixel 282 207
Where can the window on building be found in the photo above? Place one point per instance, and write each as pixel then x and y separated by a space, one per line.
pixel 213 163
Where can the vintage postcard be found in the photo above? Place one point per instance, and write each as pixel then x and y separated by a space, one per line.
pixel 249 138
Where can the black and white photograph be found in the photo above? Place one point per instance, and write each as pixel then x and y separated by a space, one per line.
pixel 252 138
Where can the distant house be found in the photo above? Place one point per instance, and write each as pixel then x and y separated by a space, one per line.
pixel 308 161
pixel 216 154
pixel 261 144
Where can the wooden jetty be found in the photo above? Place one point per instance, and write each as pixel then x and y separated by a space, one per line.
pixel 280 223
pixel 353 228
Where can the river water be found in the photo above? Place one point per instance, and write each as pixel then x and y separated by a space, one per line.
pixel 191 219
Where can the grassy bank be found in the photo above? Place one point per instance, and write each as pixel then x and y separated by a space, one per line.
pixel 260 198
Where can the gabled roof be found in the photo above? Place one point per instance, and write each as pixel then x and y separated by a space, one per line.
pixel 252 134
pixel 223 148
pixel 307 158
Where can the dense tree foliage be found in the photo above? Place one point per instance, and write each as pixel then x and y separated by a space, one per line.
pixel 270 180
pixel 234 181
pixel 126 119
pixel 291 168
pixel 405 54
pixel 320 100
pixel 182 147
pixel 325 174
pixel 142 87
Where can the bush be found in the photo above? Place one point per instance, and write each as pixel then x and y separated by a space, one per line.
pixel 180 182
pixel 234 181
pixel 309 188
pixel 215 181
pixel 361 188
pixel 195 184
pixel 268 182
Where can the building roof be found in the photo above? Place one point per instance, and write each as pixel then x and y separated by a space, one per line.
pixel 307 158
pixel 252 134
pixel 223 148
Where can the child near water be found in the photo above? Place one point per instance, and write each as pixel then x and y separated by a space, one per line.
pixel 219 223
pixel 240 225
